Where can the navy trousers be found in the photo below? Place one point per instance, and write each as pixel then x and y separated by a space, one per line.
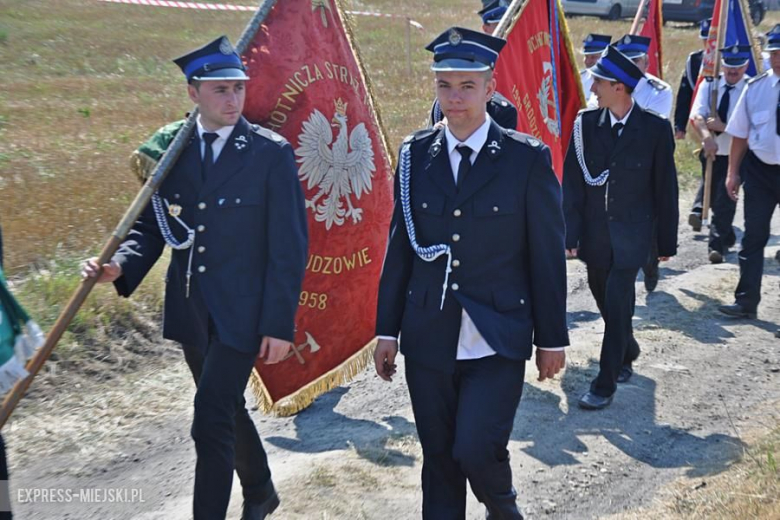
pixel 615 294
pixel 722 234
pixel 464 421
pixel 225 435
pixel 762 195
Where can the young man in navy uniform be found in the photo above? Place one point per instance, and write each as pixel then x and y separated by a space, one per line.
pixel 619 177
pixel 498 107
pixel 715 143
pixel 474 274
pixel 233 211
pixel 754 127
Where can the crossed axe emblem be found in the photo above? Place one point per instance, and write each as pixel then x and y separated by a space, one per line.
pixel 297 349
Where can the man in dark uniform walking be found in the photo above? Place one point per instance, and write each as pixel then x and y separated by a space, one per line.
pixel 474 274
pixel 498 107
pixel 232 209
pixel 716 143
pixel 682 111
pixel 754 127
pixel 619 176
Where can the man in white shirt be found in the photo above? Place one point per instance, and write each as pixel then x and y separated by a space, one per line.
pixel 592 47
pixel 754 127
pixel 474 275
pixel 716 143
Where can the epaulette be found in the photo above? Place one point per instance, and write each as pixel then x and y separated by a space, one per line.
pixel 586 109
pixel 526 139
pixel 419 134
pixel 656 114
pixel 144 159
pixel 756 78
pixel 657 85
pixel 268 134
pixel 498 99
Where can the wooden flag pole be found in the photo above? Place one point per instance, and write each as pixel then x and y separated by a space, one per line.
pixel 705 210
pixel 638 17
pixel 118 236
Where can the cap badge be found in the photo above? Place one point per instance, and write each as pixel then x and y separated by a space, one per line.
pixel 225 47
pixel 174 210
pixel 455 37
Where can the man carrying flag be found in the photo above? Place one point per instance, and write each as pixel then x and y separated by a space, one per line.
pixel 619 177
pixel 232 210
pixel 716 144
pixel 499 108
pixel 755 130
pixel 474 274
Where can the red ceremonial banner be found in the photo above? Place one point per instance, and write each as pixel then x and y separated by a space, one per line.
pixel 536 70
pixel 307 84
pixel 652 28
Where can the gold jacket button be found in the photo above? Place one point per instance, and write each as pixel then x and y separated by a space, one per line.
pixel 455 237
pixel 201 249
pixel 424 205
pixel 456 263
pixel 455 287
pixel 202 269
pixel 201 228
pixel 495 209
pixel 457 213
pixel 202 205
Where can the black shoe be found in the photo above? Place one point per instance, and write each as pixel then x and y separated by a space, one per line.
pixel 591 401
pixel 625 374
pixel 262 510
pixel 777 333
pixel 716 257
pixel 651 277
pixel 737 311
pixel 694 219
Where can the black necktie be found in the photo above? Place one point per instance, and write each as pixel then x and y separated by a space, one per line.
pixel 465 164
pixel 777 115
pixel 208 155
pixel 723 106
pixel 616 128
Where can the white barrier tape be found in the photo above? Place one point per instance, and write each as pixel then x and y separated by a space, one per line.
pixel 230 7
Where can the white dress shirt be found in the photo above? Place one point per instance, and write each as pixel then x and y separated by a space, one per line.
pixel 755 118
pixel 218 144
pixel 701 107
pixel 587 81
pixel 614 120
pixel 657 98
pixel 471 344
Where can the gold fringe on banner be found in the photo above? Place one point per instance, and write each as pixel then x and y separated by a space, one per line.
pixel 297 401
pixel 570 52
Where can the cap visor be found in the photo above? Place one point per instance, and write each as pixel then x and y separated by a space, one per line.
pixel 222 74
pixel 734 64
pixel 454 64
pixel 600 73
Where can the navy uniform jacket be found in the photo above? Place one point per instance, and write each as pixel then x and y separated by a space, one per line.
pixel 505 228
pixel 612 224
pixel 499 108
pixel 250 245
pixel 682 109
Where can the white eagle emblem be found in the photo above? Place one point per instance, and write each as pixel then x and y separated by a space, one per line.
pixel 339 170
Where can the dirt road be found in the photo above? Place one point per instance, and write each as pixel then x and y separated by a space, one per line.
pixel 703 386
